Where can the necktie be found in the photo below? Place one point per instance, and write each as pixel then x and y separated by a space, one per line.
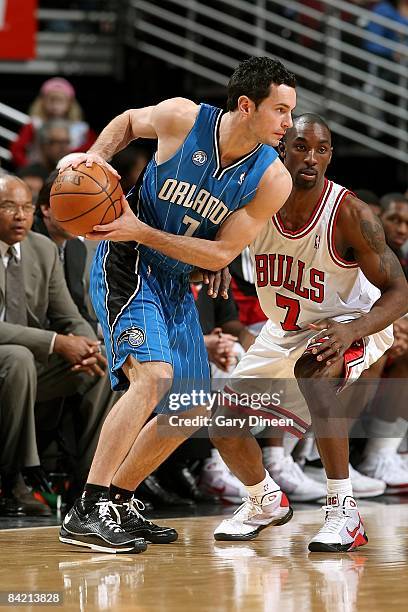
pixel 16 308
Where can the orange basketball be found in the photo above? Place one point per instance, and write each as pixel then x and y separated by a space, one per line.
pixel 85 197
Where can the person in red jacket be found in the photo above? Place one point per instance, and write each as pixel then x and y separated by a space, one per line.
pixel 56 100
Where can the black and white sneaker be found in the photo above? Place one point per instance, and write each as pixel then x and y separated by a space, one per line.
pixel 99 529
pixel 136 525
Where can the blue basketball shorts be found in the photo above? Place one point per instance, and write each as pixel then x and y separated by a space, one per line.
pixel 147 312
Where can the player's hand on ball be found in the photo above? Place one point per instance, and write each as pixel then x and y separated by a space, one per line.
pixel 73 160
pixel 335 338
pixel 218 282
pixel 126 228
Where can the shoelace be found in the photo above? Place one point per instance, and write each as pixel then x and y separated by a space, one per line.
pixel 335 518
pixel 247 510
pixel 105 515
pixel 134 506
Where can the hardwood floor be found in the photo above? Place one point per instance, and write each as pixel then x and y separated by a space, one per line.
pixel 274 572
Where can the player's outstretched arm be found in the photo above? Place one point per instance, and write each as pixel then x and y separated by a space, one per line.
pixel 362 230
pixel 169 122
pixel 237 231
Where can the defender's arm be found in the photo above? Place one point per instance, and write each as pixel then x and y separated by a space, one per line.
pixel 363 232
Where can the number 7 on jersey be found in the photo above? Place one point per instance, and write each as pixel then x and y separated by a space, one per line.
pixel 292 307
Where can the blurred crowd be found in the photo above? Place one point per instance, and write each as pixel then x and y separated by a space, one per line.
pixel 54 391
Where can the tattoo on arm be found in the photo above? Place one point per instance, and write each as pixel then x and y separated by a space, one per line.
pixel 373 234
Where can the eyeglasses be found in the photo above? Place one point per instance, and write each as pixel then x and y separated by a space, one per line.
pixel 12 209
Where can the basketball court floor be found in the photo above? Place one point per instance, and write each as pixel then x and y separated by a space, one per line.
pixel 273 573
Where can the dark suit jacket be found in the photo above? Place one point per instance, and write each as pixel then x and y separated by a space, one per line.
pixel 50 307
pixel 75 257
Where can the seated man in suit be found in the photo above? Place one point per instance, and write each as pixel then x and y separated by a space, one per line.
pixel 47 350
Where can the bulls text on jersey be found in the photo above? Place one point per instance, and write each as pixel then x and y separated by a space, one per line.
pixel 276 270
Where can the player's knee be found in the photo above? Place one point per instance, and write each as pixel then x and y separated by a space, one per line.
pixel 156 377
pixel 306 367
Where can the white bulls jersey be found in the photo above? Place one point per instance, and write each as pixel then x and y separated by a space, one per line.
pixel 300 277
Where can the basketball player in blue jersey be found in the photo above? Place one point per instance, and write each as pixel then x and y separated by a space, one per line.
pixel 212 185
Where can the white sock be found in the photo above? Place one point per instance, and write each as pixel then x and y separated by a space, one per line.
pixel 273 454
pixel 258 493
pixel 337 490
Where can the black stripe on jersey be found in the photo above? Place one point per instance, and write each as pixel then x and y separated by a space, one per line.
pixel 219 172
pixel 122 279
pixel 121 267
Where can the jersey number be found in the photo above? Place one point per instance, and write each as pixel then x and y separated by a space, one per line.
pixel 192 225
pixel 293 310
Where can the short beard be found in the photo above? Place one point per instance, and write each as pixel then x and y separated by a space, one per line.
pixel 302 184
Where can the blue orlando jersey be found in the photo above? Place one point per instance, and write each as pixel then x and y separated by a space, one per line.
pixel 191 194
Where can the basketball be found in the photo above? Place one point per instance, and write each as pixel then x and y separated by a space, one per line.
pixel 84 197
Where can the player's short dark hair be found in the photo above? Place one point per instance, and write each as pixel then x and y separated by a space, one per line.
pixel 253 78
pixel 309 118
pixel 388 198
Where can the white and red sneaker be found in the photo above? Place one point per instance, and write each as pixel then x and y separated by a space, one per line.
pixel 218 480
pixel 251 517
pixel 343 529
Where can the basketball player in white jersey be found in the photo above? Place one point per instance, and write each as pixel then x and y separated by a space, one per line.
pixel 331 288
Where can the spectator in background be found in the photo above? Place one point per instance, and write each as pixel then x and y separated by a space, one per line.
pixel 388 419
pixel 56 101
pixel 394 217
pixel 72 251
pixel 396 10
pixel 130 164
pixel 54 143
pixel 370 198
pixel 34 176
pixel 47 350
